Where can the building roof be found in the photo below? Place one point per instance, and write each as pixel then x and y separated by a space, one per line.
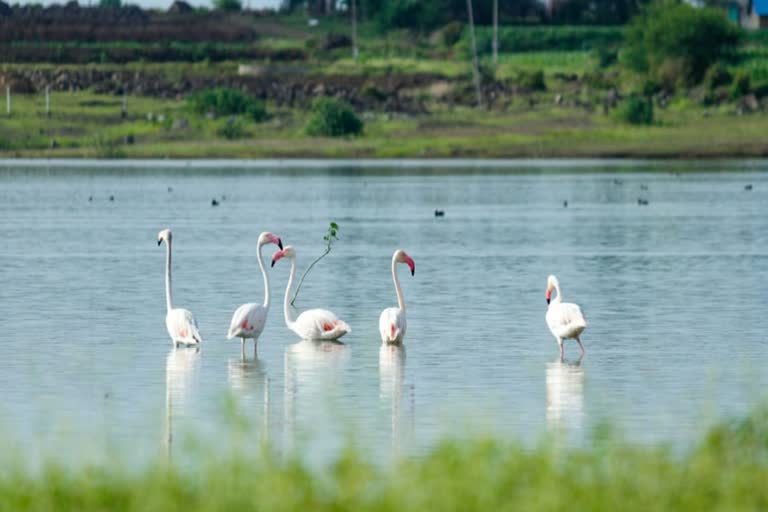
pixel 761 7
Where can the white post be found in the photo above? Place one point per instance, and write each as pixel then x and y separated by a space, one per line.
pixel 8 99
pixel 495 32
pixel 354 30
pixel 475 65
pixel 48 100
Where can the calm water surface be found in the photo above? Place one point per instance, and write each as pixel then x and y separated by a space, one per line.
pixel 673 292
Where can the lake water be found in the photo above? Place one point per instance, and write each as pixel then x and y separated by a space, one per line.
pixel 674 293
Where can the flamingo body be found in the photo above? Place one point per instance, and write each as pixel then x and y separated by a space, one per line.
pixel 564 319
pixel 248 321
pixel 392 325
pixel 182 327
pixel 320 325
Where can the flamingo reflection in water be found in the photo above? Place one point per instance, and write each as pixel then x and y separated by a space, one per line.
pixel 565 395
pixel 311 372
pixel 181 379
pixel 392 387
pixel 249 383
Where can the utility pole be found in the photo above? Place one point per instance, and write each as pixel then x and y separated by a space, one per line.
pixel 495 32
pixel 8 99
pixel 48 100
pixel 475 65
pixel 354 30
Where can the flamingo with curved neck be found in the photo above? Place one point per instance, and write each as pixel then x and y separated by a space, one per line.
pixel 312 324
pixel 249 320
pixel 392 322
pixel 564 319
pixel 181 324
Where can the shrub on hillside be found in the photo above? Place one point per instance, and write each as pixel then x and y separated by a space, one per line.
pixel 674 31
pixel 741 85
pixel 531 80
pixel 223 101
pixel 636 110
pixel 716 76
pixel 333 118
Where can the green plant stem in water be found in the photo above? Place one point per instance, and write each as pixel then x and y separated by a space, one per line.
pixel 329 238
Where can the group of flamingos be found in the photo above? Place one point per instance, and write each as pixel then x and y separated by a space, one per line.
pixel 565 320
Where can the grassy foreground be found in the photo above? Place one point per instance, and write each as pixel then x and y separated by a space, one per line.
pixel 727 470
pixel 87 125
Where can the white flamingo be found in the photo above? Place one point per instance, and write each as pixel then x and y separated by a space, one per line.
pixel 181 324
pixel 313 324
pixel 392 323
pixel 249 319
pixel 564 319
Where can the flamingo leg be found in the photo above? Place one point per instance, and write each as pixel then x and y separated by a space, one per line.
pixel 581 346
pixel 255 348
pixel 242 348
pixel 562 354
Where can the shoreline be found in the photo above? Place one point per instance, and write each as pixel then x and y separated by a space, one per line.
pixel 565 164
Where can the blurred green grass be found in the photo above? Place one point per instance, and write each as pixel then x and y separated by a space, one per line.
pixel 726 470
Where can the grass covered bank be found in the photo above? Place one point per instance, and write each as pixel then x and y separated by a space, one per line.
pixel 88 125
pixel 726 470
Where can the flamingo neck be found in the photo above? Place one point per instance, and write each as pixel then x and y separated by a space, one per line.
pixel 168 302
pixel 398 290
pixel 265 276
pixel 287 312
pixel 558 298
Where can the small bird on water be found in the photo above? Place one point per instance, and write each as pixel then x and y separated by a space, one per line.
pixel 111 198
pixel 214 202
pixel 642 202
pixel 439 213
pixel 565 204
pixel 748 187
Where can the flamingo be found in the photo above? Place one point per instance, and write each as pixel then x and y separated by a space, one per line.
pixel 249 319
pixel 563 318
pixel 392 322
pixel 313 324
pixel 181 324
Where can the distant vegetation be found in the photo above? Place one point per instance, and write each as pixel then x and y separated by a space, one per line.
pixel 222 101
pixel 676 42
pixel 333 118
pixel 726 470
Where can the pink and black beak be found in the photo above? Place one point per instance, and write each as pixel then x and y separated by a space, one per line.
pixel 411 264
pixel 549 296
pixel 279 254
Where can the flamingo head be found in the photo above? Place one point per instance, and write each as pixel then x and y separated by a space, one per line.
pixel 270 238
pixel 402 257
pixel 164 235
pixel 551 285
pixel 287 252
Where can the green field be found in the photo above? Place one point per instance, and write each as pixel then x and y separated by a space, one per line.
pixel 726 470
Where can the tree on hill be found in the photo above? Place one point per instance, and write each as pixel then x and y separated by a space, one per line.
pixel 110 4
pixel 675 42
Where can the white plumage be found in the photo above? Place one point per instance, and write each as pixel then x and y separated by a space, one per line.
pixel 392 321
pixel 564 319
pixel 181 324
pixel 249 320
